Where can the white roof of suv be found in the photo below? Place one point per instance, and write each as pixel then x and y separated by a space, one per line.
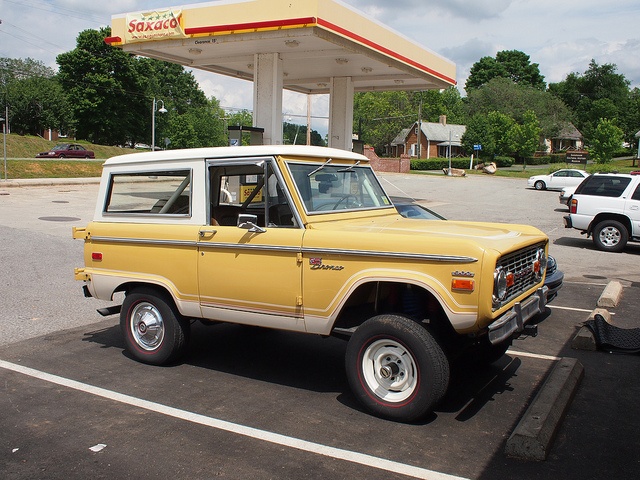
pixel 235 152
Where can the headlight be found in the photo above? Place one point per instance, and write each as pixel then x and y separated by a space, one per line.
pixel 499 284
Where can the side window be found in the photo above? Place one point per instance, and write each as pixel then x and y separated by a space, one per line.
pixel 150 193
pixel 604 186
pixel 237 189
pixel 636 194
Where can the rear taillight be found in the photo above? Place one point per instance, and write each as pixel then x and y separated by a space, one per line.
pixel 573 206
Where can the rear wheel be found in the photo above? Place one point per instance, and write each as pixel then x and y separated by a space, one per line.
pixel 610 236
pixel 395 368
pixel 153 330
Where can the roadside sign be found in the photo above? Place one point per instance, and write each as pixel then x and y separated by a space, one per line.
pixel 477 146
pixel 577 157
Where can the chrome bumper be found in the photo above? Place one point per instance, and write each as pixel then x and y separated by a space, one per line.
pixel 515 319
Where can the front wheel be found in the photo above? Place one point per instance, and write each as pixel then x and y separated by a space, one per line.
pixel 610 236
pixel 153 330
pixel 540 185
pixel 395 368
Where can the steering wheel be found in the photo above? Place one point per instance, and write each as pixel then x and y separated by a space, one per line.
pixel 345 199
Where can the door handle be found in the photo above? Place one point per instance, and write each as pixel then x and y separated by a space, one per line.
pixel 204 233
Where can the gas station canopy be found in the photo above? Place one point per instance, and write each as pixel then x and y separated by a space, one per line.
pixel 299 45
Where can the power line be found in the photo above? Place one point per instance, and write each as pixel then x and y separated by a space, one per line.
pixel 57 10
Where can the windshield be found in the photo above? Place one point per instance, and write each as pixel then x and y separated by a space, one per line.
pixel 325 188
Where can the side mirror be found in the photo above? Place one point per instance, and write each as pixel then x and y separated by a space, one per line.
pixel 249 222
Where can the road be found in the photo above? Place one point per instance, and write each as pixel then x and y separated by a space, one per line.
pixel 250 403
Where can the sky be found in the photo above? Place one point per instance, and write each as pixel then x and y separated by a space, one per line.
pixel 562 37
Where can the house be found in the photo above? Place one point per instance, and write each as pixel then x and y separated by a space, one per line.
pixel 569 138
pixel 435 139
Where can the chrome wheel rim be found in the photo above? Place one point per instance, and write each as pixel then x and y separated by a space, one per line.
pixel 609 236
pixel 147 326
pixel 390 371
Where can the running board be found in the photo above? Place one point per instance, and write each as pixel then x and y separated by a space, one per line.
pixel 105 312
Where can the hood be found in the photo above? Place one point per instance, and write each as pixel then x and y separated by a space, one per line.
pixel 396 233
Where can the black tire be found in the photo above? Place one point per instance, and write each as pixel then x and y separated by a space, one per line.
pixel 61 156
pixel 153 330
pixel 610 236
pixel 540 185
pixel 395 368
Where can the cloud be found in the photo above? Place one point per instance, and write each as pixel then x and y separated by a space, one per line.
pixel 465 9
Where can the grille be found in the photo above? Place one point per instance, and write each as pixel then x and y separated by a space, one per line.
pixel 519 263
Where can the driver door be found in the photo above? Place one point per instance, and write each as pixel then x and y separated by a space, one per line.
pixel 251 273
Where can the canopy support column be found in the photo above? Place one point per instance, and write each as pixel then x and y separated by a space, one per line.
pixel 341 113
pixel 267 96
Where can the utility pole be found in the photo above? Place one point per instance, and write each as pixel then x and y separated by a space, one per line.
pixel 419 144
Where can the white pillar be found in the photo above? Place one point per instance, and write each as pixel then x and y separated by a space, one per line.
pixel 341 113
pixel 267 96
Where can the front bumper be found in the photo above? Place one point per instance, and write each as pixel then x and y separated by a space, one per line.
pixel 515 319
pixel 554 283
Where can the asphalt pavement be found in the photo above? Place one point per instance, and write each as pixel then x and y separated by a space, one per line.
pixel 264 404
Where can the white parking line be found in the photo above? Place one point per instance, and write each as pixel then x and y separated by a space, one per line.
pixel 556 307
pixel 276 438
pixel 518 353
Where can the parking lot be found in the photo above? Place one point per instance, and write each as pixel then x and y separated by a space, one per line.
pixel 253 403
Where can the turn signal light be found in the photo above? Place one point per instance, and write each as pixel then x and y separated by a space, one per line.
pixel 511 279
pixel 96 256
pixel 463 284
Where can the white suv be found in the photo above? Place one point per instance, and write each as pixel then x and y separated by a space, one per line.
pixel 607 207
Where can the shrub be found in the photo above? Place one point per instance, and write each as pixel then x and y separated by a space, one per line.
pixel 537 160
pixel 602 168
pixel 503 161
pixel 438 163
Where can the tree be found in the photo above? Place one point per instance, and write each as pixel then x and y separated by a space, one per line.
pixel 598 93
pixel 380 116
pixel 511 64
pixel 527 135
pixel 606 140
pixel 38 103
pixel 496 132
pixel 197 127
pixel 28 89
pixel 15 69
pixel 294 134
pixel 513 100
pixel 106 89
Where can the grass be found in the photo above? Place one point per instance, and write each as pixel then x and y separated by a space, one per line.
pixel 624 165
pixel 51 169
pixel 21 162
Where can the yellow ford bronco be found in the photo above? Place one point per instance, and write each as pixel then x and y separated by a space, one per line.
pixel 306 239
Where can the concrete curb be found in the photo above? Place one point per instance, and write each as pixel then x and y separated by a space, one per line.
pixel 584 339
pixel 610 297
pixel 47 182
pixel 532 438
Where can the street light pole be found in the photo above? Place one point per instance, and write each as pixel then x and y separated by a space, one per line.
pixel 4 142
pixel 449 171
pixel 153 121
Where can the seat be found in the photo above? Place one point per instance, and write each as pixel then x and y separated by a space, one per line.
pixel 281 215
pixel 226 215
